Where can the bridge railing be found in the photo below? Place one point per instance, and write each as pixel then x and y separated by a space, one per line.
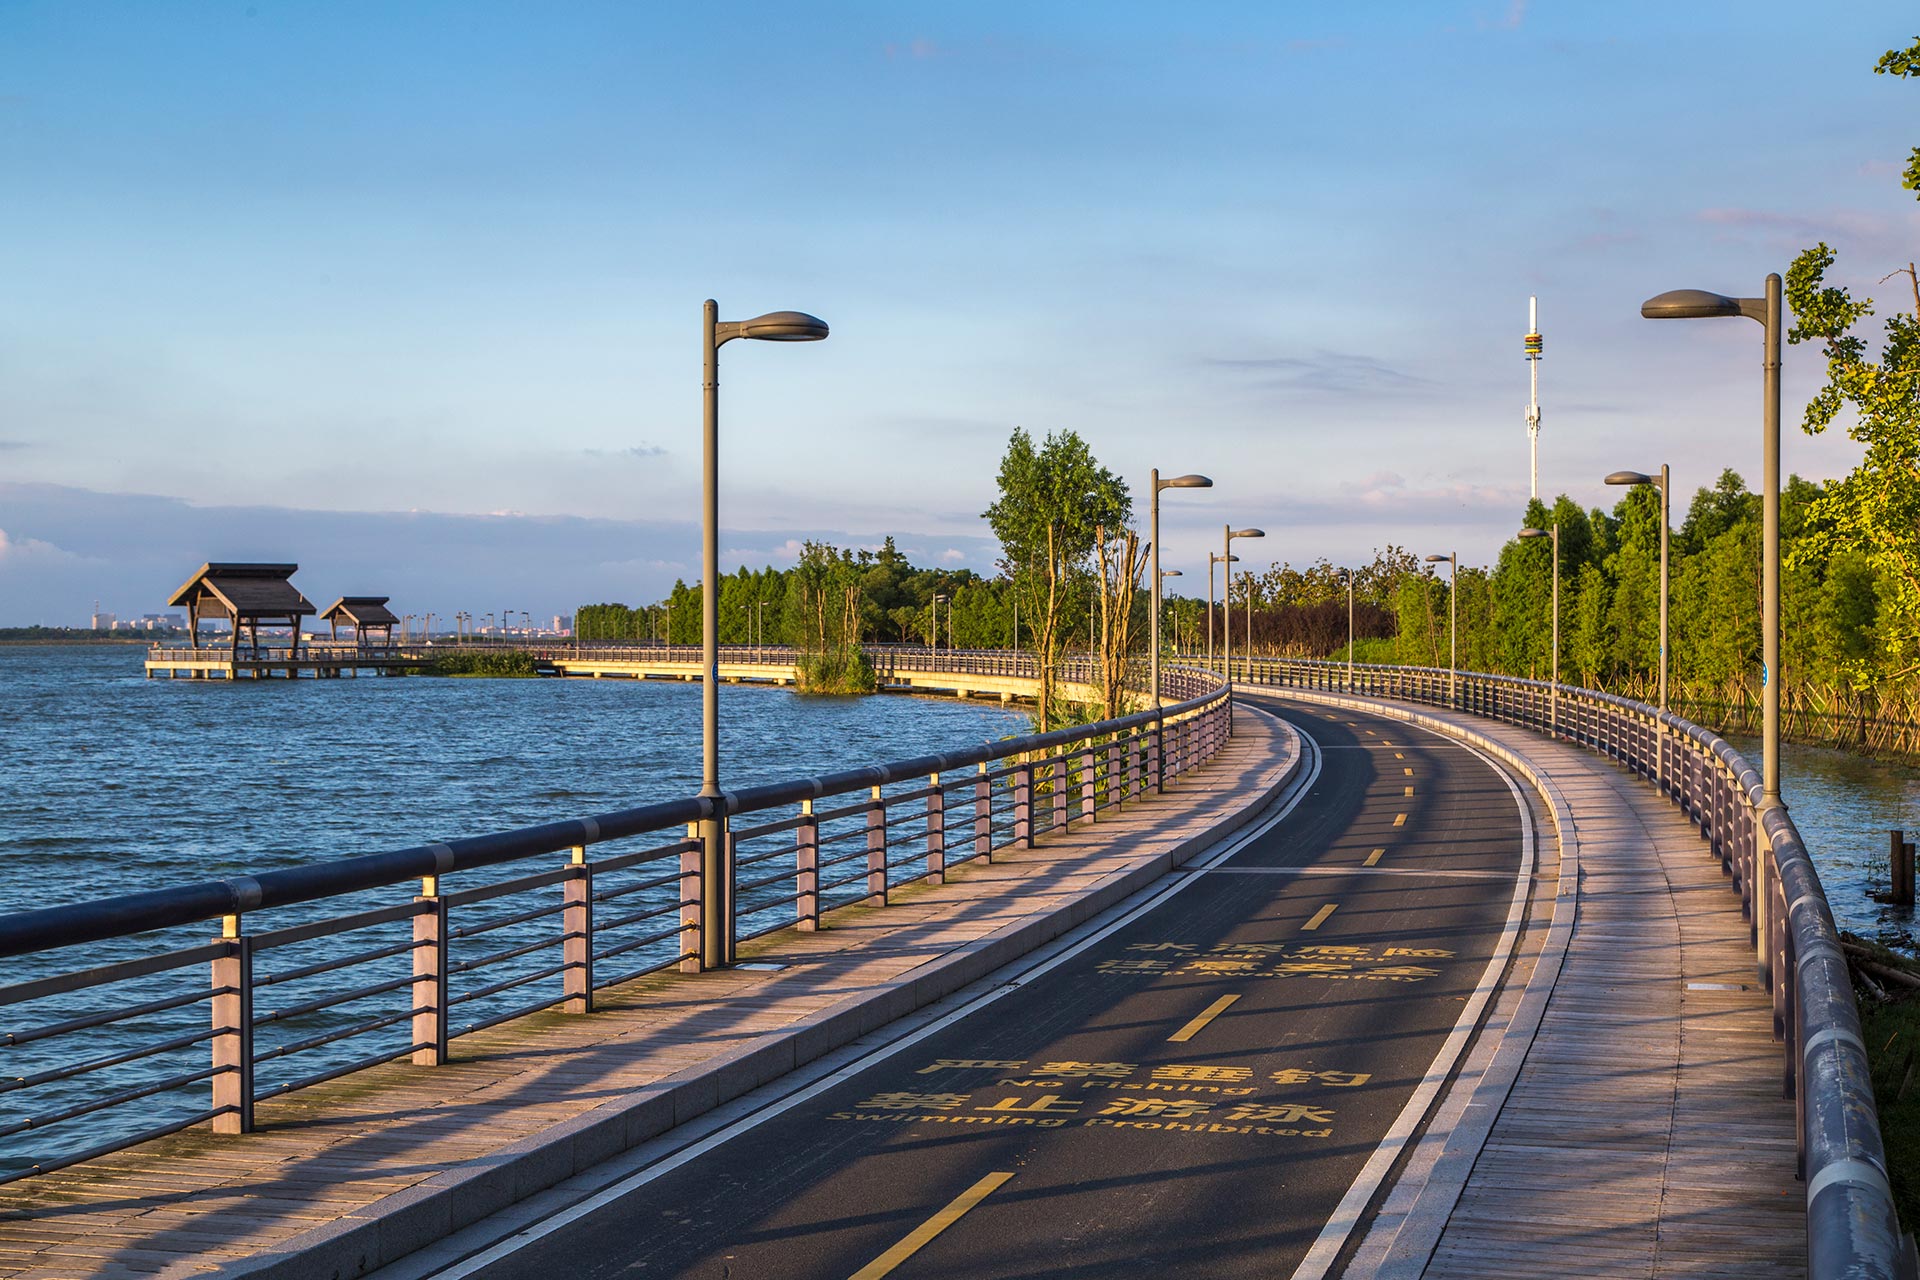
pixel 1852 1227
pixel 322 969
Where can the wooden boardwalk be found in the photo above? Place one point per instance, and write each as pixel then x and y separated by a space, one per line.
pixel 1645 1134
pixel 1640 1131
pixel 335 1169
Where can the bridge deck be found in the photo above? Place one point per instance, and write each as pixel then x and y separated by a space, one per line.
pixel 1644 1133
pixel 329 1161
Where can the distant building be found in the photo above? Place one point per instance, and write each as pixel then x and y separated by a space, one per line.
pixel 562 624
pixel 102 621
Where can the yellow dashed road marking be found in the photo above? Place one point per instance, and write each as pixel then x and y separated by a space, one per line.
pixel 1320 916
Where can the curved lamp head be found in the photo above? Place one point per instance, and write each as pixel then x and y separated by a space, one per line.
pixel 1534 533
pixel 1248 533
pixel 1631 477
pixel 1171 573
pixel 1217 558
pixel 1689 304
pixel 1187 482
pixel 1439 559
pixel 784 326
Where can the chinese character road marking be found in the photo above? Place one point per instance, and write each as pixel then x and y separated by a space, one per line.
pixel 913 1101
pixel 1205 1016
pixel 991 1064
pixel 952 1213
pixel 1320 916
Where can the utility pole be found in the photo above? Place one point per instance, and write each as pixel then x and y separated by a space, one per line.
pixel 1534 348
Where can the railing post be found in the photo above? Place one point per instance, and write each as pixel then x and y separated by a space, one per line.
pixel 1116 780
pixel 806 870
pixel 1060 781
pixel 983 814
pixel 876 849
pixel 1089 784
pixel 1157 749
pixel 430 975
pixel 576 924
pixel 1023 805
pixel 1133 762
pixel 692 885
pixel 232 1042
pixel 936 832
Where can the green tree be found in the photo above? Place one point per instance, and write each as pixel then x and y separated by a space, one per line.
pixel 1876 507
pixel 1054 500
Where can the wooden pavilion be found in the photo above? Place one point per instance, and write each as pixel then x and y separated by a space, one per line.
pixel 368 616
pixel 247 595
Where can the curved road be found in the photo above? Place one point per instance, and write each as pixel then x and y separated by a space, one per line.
pixel 1191 1095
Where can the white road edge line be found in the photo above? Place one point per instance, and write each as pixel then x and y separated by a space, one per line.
pixel 1333 1237
pixel 1188 875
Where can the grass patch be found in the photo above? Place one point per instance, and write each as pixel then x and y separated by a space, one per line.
pixel 841 671
pixel 501 663
pixel 1891 1029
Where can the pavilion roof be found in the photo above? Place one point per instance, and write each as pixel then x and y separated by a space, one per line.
pixel 243 591
pixel 362 611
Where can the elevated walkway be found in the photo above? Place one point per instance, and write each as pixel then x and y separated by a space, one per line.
pixel 345 1177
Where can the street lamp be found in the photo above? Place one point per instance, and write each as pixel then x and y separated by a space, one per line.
pixel 1453 623
pixel 716 882
pixel 1213 559
pixel 1553 696
pixel 1226 628
pixel 1348 574
pixel 938 596
pixel 1694 304
pixel 1165 574
pixel 1153 536
pixel 1663 481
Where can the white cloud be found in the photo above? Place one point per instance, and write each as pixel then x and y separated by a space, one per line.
pixel 15 551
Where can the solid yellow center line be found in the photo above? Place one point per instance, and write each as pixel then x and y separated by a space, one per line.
pixel 973 1195
pixel 1320 916
pixel 1399 819
pixel 1373 857
pixel 1207 1015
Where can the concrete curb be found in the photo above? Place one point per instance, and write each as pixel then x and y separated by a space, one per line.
pixel 396 1225
pixel 1408 1228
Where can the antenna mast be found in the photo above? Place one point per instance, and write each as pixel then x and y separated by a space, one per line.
pixel 1534 347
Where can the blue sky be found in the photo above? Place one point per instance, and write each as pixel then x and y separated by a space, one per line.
pixel 409 294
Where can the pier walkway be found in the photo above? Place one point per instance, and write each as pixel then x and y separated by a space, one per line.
pixel 344 1177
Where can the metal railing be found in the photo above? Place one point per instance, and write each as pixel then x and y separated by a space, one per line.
pixel 1852 1227
pixel 320 970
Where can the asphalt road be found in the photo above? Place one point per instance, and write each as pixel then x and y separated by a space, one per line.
pixel 1191 1096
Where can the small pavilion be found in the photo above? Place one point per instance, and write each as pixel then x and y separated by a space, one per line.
pixel 246 595
pixel 367 615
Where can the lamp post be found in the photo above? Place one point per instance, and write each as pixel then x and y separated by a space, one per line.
pixel 1212 560
pixel 1693 304
pixel 1553 694
pixel 1453 623
pixel 1349 576
pixel 716 880
pixel 938 596
pixel 1153 536
pixel 1663 482
pixel 1226 604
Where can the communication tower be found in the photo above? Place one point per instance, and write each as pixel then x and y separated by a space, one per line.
pixel 1534 347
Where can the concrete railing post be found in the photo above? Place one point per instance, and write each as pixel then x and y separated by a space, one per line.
pixel 1116 780
pixel 936 832
pixel 1133 764
pixel 806 870
pixel 430 975
pixel 691 887
pixel 1061 783
pixel 1089 784
pixel 576 927
pixel 1023 805
pixel 232 1042
pixel 717 922
pixel 983 815
pixel 876 849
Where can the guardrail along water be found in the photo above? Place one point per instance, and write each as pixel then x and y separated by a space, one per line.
pixel 1852 1228
pixel 322 969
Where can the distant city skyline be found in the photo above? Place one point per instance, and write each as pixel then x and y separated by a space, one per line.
pixel 410 295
